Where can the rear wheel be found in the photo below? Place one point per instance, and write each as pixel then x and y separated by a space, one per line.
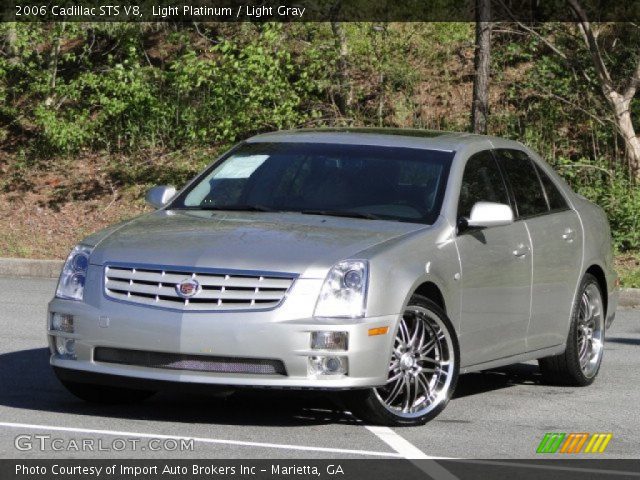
pixel 580 362
pixel 105 394
pixel 423 370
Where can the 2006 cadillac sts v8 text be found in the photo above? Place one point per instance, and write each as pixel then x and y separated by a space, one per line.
pixel 377 263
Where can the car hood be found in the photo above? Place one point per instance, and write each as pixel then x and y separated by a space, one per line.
pixel 306 245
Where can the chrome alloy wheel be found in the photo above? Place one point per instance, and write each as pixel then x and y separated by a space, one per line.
pixel 421 367
pixel 590 330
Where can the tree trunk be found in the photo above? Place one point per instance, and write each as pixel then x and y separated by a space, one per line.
pixel 344 97
pixel 53 65
pixel 618 99
pixel 12 40
pixel 622 109
pixel 482 64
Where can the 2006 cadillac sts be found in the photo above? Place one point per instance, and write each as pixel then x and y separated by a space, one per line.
pixel 378 263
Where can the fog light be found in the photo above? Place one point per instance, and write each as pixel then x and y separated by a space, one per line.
pixel 66 346
pixel 328 365
pixel 329 340
pixel 61 322
pixel 352 279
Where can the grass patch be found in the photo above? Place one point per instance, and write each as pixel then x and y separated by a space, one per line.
pixel 628 267
pixel 11 245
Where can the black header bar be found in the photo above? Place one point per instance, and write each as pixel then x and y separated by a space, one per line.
pixel 310 10
pixel 390 469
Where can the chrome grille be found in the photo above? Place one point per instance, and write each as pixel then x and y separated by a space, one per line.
pixel 219 290
pixel 197 363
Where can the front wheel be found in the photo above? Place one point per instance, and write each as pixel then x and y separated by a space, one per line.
pixel 423 370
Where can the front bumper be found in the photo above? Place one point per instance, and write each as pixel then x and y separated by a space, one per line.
pixel 275 334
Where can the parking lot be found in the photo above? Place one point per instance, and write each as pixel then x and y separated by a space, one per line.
pixel 495 414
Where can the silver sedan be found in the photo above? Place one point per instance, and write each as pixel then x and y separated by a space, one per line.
pixel 379 264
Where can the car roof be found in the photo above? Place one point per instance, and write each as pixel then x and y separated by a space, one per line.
pixel 389 137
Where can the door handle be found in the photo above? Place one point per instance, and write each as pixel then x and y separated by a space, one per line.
pixel 521 250
pixel 568 235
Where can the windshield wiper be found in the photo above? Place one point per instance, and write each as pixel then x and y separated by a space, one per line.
pixel 238 208
pixel 341 213
pixel 264 208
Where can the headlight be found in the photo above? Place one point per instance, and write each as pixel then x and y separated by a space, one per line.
pixel 74 273
pixel 344 291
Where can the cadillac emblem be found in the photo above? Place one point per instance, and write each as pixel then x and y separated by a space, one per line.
pixel 188 288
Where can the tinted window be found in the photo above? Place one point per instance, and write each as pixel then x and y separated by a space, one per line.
pixel 527 190
pixel 481 182
pixel 379 182
pixel 555 198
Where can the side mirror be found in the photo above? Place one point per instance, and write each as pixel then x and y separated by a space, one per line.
pixel 159 196
pixel 490 214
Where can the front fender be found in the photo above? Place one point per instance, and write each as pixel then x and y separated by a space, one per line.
pixel 400 269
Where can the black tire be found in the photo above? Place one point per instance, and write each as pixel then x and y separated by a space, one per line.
pixel 565 369
pixel 104 394
pixel 368 406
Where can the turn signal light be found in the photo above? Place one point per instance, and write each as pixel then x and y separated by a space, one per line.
pixel 378 331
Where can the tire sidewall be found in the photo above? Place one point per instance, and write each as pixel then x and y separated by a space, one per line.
pixel 572 339
pixel 380 412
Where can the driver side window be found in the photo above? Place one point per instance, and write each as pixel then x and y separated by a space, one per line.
pixel 481 182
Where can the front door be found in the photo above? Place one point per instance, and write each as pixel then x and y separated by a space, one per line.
pixel 496 272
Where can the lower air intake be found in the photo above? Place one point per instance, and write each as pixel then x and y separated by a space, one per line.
pixel 196 363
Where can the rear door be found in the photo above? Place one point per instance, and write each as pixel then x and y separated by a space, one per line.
pixel 556 242
pixel 496 271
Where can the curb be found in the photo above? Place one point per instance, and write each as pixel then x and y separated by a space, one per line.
pixel 629 297
pixel 24 267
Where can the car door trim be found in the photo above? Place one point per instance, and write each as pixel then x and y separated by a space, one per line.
pixel 511 359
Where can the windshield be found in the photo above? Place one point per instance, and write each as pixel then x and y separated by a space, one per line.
pixel 373 182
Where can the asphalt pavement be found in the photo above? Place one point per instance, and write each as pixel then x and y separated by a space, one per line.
pixel 502 413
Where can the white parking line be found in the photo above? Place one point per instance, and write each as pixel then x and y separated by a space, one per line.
pixel 399 444
pixel 404 448
pixel 409 451
pixel 201 439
